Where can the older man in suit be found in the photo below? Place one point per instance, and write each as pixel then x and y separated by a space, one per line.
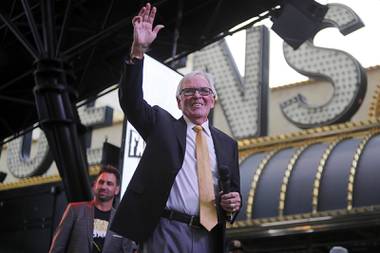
pixel 172 203
pixel 84 225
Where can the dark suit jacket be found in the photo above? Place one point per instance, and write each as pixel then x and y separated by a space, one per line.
pixel 74 233
pixel 146 195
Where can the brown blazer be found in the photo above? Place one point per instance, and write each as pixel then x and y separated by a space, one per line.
pixel 74 232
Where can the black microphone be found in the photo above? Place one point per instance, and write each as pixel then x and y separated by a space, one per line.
pixel 225 185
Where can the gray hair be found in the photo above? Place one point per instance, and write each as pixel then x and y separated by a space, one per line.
pixel 207 76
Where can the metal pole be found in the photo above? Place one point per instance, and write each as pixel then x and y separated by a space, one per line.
pixel 59 121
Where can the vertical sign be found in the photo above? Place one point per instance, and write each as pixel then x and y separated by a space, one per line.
pixel 239 95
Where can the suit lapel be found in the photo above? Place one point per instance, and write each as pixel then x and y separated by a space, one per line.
pixel 220 158
pixel 218 147
pixel 109 233
pixel 180 131
pixel 90 212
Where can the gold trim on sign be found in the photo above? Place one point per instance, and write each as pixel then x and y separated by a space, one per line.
pixel 285 180
pixel 256 177
pixel 374 108
pixel 318 134
pixel 303 217
pixel 318 175
pixel 353 169
pixel 39 180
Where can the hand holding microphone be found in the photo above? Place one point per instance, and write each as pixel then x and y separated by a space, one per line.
pixel 230 201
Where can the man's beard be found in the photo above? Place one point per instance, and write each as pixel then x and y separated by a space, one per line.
pixel 103 198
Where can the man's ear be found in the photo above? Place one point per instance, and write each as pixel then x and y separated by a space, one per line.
pixel 213 102
pixel 179 103
pixel 117 190
pixel 93 185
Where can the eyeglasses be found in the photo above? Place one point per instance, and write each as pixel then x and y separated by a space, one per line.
pixel 203 91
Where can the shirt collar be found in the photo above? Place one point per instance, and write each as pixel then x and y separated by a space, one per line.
pixel 191 125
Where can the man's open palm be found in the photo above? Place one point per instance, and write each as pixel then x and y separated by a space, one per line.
pixel 143 34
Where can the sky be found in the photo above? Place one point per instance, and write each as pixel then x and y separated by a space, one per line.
pixel 363 44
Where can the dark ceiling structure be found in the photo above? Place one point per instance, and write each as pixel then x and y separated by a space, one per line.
pixel 92 37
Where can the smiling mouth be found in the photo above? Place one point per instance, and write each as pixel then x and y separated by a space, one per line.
pixel 197 104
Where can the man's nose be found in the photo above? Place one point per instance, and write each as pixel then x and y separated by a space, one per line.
pixel 197 93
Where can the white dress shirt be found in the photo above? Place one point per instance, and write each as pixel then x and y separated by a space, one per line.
pixel 184 195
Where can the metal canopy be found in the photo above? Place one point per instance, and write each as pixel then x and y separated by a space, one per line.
pixel 92 38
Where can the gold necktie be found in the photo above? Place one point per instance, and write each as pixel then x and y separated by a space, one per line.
pixel 207 210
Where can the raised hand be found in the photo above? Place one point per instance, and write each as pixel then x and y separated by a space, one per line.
pixel 144 33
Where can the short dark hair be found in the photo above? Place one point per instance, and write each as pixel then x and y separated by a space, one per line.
pixel 106 168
